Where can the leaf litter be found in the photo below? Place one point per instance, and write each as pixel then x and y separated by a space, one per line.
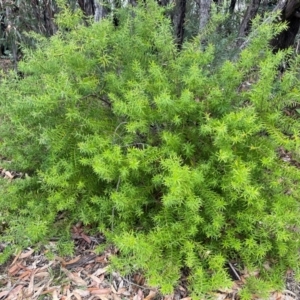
pixel 86 276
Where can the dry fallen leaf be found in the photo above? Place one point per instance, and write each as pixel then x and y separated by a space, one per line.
pixel 47 266
pixel 69 294
pixel 151 295
pixel 100 259
pixel 100 291
pixel 219 296
pixel 38 292
pixel 100 271
pixel 225 290
pixel 139 279
pixel 54 295
pixel 14 269
pixel 72 261
pixel 75 278
pixel 182 288
pixel 82 293
pixel 86 238
pixel 113 289
pixel 26 254
pixel 96 279
pixel 3 294
pixel 122 291
pixel 121 284
pixel 66 289
pixel 77 296
pixel 16 258
pixel 125 293
pixel 116 297
pixel 61 260
pixel 15 292
pixel 30 288
pixel 139 295
pixel 42 274
pixel 25 276
pixel 8 175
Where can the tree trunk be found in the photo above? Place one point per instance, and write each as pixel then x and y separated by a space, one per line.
pixel 163 2
pixel 87 6
pixel 99 13
pixel 92 8
pixel 232 6
pixel 204 13
pixel 48 12
pixel 249 15
pixel 290 14
pixel 179 20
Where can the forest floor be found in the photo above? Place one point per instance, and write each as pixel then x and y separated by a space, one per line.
pixel 5 65
pixel 38 273
pixel 41 274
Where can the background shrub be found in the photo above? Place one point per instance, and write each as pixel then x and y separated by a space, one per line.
pixel 174 158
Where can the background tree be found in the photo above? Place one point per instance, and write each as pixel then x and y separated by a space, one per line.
pixel 250 13
pixel 188 18
pixel 291 15
pixel 204 10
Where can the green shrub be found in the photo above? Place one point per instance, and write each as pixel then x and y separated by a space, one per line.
pixel 174 158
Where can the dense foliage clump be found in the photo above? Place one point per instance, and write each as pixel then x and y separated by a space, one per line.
pixel 175 158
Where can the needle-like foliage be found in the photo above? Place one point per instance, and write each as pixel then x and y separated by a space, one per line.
pixel 176 159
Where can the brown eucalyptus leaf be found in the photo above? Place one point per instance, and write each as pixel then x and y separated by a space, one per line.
pixel 104 291
pixel 116 297
pixel 77 296
pixel 74 277
pixel 82 293
pixel 42 274
pixel 38 292
pixel 15 292
pixel 151 295
pixel 86 238
pixel 3 294
pixel 96 279
pixel 26 254
pixel 139 295
pixel 100 271
pixel 72 261
pixel 30 288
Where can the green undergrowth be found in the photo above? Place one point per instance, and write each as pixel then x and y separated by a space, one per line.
pixel 173 156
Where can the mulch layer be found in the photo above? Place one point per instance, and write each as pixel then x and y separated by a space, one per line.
pixel 40 274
